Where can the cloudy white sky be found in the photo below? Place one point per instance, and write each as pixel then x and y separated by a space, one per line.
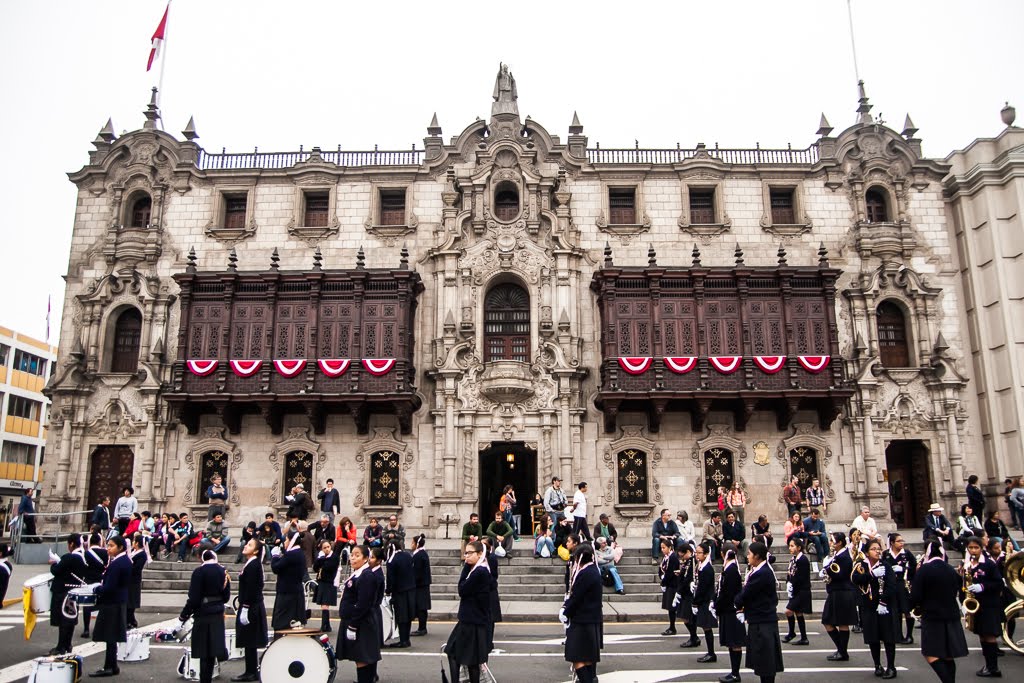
pixel 279 74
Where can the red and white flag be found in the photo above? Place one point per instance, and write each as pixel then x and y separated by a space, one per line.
pixel 158 38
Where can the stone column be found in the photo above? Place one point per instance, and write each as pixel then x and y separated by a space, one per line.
pixel 956 457
pixel 64 458
pixel 448 481
pixel 149 454
pixel 565 440
pixel 870 454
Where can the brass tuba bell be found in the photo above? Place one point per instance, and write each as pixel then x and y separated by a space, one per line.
pixel 1014 571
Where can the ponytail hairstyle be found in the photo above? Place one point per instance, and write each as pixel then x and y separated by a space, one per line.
pixel 838 538
pixel 730 556
pixel 583 553
pixel 420 541
pixel 934 549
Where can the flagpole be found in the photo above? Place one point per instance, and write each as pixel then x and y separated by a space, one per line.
pixel 163 63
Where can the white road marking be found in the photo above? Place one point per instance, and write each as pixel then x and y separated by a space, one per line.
pixel 656 676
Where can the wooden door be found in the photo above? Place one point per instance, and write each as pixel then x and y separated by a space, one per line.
pixel 110 471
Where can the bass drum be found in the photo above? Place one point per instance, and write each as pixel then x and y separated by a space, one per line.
pixel 299 658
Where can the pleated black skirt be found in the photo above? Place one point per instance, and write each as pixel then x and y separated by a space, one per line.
pixel 255 633
pixel 468 644
pixel 56 605
pixel 879 627
pixel 111 623
pixel 208 637
pixel 731 633
pixel 988 621
pixel 840 609
pixel 764 649
pixel 288 607
pixel 423 599
pixel 326 593
pixel 366 646
pixel 583 642
pixel 667 598
pixel 800 602
pixel 900 604
pixel 404 605
pixel 684 611
pixel 134 596
pixel 495 607
pixel 704 618
pixel 943 638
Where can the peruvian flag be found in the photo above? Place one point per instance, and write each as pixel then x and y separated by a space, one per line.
pixel 158 38
pixel 635 365
pixel 201 368
pixel 289 368
pixel 245 368
pixel 726 364
pixel 814 364
pixel 378 366
pixel 680 364
pixel 334 367
pixel 770 364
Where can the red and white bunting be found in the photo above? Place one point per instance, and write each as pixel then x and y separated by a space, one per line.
pixel 201 368
pixel 770 364
pixel 378 366
pixel 635 365
pixel 726 364
pixel 291 367
pixel 245 368
pixel 334 367
pixel 814 364
pixel 680 364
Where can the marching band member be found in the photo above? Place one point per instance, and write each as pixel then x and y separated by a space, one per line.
pixel 401 586
pixel 934 592
pixel 757 604
pixel 67 574
pixel 904 565
pixel 139 555
pixel 96 557
pixel 986 586
pixel 6 569
pixel 582 614
pixel 853 547
pixel 995 550
pixel 840 611
pixel 251 618
pixel 112 604
pixel 469 643
pixel 731 633
pixel 668 573
pixel 492 567
pixel 208 591
pixel 684 585
pixel 289 597
pixel 798 590
pixel 326 595
pixel 703 594
pixel 359 634
pixel 375 558
pixel 421 569
pixel 877 583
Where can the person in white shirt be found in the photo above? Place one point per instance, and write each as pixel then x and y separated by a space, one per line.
pixel 579 512
pixel 865 523
pixel 686 531
pixel 126 506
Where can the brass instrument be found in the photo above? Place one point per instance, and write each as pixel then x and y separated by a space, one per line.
pixel 693 573
pixel 970 603
pixel 833 568
pixel 1013 570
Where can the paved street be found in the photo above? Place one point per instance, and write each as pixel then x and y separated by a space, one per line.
pixel 526 652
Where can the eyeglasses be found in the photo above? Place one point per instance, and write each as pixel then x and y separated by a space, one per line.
pixel 470 552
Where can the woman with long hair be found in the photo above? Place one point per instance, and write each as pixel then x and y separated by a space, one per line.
pixel 421 570
pixel 668 574
pixel 582 614
pixel 840 610
pixel 469 642
pixel 934 592
pixel 798 590
pixel 758 603
pixel 112 605
pixel 347 537
pixel 359 634
pixel 736 501
pixel 904 565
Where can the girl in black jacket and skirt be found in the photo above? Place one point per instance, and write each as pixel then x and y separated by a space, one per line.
pixel 986 586
pixel 139 555
pixel 582 612
pixel 359 635
pixel 684 585
pixel 112 603
pixel 934 592
pixel 904 565
pixel 877 584
pixel 251 617
pixel 668 574
pixel 469 643
pixel 421 570
pixel 492 566
pixel 703 608
pixel 326 594
pixel 731 633
pixel 840 611
pixel 798 590
pixel 758 603
pixel 208 592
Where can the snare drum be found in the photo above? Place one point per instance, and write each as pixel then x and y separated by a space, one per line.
pixel 40 585
pixel 136 649
pixel 234 652
pixel 84 596
pixel 67 669
pixel 188 666
pixel 300 658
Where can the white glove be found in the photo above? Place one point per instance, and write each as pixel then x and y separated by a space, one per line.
pixel 289 498
pixel 350 633
pixel 54 558
pixel 740 618
pixel 878 571
pixel 789 591
pixel 963 610
pixel 823 573
pixel 275 551
pixel 883 610
pixel 898 568
pixel 676 600
pixel 243 616
pixel 975 588
pixel 662 589
pixel 562 618
pixel 320 554
pixel 695 609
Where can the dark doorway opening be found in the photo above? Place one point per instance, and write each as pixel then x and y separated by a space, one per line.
pixel 504 463
pixel 110 473
pixel 910 489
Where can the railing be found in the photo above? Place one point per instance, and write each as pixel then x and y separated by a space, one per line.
pixel 26 552
pixel 728 156
pixel 272 160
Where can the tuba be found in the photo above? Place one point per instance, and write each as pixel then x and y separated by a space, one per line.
pixel 1013 570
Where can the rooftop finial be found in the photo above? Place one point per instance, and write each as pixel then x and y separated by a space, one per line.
pixel 152 113
pixel 191 267
pixel 607 255
pixel 505 94
pixel 275 260
pixel 1008 114
pixel 738 254
pixel 318 259
pixel 864 108
pixel 941 346
pixel 782 254
pixel 190 129
pixel 652 256
pixel 434 129
pixel 403 261
pixel 823 126
pixel 107 132
pixel 575 128
pixel 233 260
pixel 360 259
pixel 822 256
pixel 908 128
pixel 695 256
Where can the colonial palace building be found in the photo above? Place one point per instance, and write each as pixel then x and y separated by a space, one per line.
pixel 505 305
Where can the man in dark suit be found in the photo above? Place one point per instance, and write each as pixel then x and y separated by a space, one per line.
pixel 937 526
pixel 101 515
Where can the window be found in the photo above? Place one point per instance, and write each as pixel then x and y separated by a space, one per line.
pixel 622 205
pixel 318 205
pixel 803 464
pixel 298 469
pixel 892 336
pixel 702 206
pixel 19 406
pixel 507 324
pixel 717 472
pixel 384 478
pixel 506 202
pixel 632 476
pixel 141 211
pixel 392 207
pixel 30 363
pixel 234 210
pixel 127 336
pixel 782 205
pixel 4 349
pixel 874 204
pixel 19 453
pixel 211 463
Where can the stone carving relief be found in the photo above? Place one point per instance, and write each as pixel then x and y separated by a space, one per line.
pixel 211 439
pixel 633 436
pixel 297 440
pixel 115 422
pixel 383 439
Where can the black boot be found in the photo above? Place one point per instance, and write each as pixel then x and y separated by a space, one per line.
pixel 803 631
pixel 890 661
pixel 709 638
pixel 735 658
pixel 325 620
pixel 991 668
pixel 791 620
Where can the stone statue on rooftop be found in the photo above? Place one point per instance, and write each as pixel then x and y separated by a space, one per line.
pixel 505 94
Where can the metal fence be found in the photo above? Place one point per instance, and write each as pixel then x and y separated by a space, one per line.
pixel 25 552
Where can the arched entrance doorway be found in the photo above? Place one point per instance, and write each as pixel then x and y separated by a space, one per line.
pixel 910 488
pixel 111 470
pixel 507 462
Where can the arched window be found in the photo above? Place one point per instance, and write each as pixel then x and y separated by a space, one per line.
pixel 717 472
pixel 874 203
pixel 803 464
pixel 127 335
pixel 632 476
pixel 507 324
pixel 506 202
pixel 141 209
pixel 892 336
pixel 298 469
pixel 385 477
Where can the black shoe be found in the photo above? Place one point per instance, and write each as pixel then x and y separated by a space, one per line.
pixel 669 632
pixel 400 644
pixel 986 672
pixel 104 673
pixel 692 642
pixel 56 651
pixel 246 677
pixel 729 678
pixel 1000 653
pixel 707 658
pixel 889 673
pixel 802 641
pixel 420 632
pixel 788 637
pixel 837 656
pixel 85 634
pixel 909 640
pixel 879 671
pixel 621 591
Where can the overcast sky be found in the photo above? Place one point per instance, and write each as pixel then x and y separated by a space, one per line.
pixel 282 74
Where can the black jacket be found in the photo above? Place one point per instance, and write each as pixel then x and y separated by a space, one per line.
pixel 421 568
pixel 96 559
pixel 612 532
pixel 71 565
pixel 359 598
pixel 400 573
pixel 250 584
pixel 138 564
pixel 728 589
pixel 991 579
pixel 705 585
pixel 583 606
pixel 906 560
pixel 976 499
pixel 329 500
pixel 670 574
pixel 799 574
pixel 101 517
pixel 876 591
pixel 326 568
pixel 475 596
pixel 931 524
pixel 116 577
pixel 299 507
pixel 935 590
pixel 5 577
pixel 758 598
pixel 839 580
pixel 290 568
pixel 684 580
pixel 323 533
pixel 207 592
pixel 733 532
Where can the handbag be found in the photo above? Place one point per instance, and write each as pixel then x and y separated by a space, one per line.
pixel 499 551
pixel 618 552
pixel 563 553
pixel 606 577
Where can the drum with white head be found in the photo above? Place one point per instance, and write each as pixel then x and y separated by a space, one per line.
pixel 63 669
pixel 40 585
pixel 299 656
